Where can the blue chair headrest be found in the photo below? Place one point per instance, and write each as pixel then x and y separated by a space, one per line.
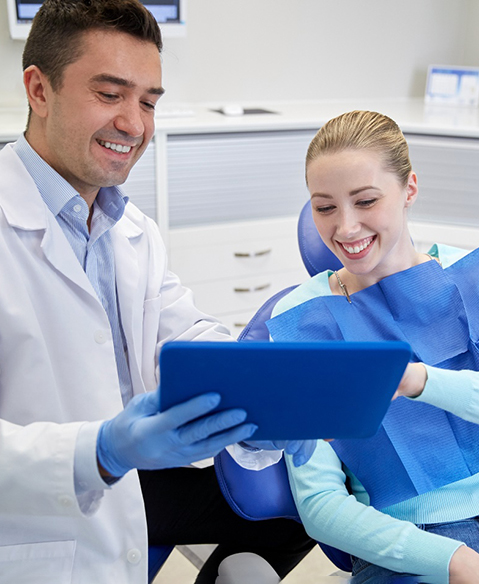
pixel 316 256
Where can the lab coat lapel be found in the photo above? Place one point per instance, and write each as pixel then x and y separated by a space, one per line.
pixel 60 254
pixel 125 235
pixel 28 212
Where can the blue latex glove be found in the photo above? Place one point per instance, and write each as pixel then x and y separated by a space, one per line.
pixel 302 450
pixel 142 437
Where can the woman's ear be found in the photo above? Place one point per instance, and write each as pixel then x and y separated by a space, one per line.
pixel 37 88
pixel 411 189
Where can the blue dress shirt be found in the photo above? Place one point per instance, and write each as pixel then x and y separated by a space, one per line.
pixel 93 249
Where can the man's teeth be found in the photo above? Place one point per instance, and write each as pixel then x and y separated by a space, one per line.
pixel 115 147
pixel 357 248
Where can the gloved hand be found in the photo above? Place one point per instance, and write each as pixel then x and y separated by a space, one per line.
pixel 142 437
pixel 302 450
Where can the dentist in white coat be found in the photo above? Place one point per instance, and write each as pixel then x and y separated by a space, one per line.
pixel 86 301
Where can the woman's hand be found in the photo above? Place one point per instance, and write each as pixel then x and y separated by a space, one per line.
pixel 413 381
pixel 464 566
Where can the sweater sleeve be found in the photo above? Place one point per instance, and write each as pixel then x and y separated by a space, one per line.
pixel 332 516
pixel 454 391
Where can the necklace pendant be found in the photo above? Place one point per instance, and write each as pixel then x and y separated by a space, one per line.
pixel 343 288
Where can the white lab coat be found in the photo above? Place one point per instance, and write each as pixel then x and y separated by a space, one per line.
pixel 58 371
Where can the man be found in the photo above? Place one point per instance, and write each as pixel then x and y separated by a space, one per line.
pixel 86 302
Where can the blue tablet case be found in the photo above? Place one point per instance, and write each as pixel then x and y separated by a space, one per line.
pixel 334 389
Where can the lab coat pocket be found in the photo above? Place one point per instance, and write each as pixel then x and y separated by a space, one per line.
pixel 151 328
pixel 37 563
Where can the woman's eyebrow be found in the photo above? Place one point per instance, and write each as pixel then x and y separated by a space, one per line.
pixel 323 195
pixel 351 194
pixel 360 189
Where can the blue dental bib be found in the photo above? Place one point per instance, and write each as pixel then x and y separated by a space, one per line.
pixel 419 447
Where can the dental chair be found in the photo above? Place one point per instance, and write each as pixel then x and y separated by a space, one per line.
pixel 243 489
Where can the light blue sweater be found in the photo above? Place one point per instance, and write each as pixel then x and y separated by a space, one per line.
pixel 389 537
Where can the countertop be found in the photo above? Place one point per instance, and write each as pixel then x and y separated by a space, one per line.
pixel 412 115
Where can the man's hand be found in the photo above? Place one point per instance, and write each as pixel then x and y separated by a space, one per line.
pixel 302 450
pixel 413 381
pixel 142 437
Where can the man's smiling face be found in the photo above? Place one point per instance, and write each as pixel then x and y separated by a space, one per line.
pixel 101 119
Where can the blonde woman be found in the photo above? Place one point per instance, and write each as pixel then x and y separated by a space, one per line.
pixel 413 489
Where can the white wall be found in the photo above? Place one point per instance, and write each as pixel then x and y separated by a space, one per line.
pixel 312 49
pixel 471 57
pixel 297 49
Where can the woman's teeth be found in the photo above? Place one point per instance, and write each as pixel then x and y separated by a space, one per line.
pixel 358 248
pixel 115 147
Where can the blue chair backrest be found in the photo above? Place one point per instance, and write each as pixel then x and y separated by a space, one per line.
pixel 265 494
pixel 314 253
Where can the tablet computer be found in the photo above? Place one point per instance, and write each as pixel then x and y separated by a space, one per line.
pixel 336 389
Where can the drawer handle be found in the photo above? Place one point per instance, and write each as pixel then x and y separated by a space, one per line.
pixel 254 289
pixel 256 254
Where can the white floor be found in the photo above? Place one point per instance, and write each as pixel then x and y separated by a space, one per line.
pixel 179 570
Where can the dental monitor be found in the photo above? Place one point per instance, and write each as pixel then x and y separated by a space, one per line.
pixel 170 14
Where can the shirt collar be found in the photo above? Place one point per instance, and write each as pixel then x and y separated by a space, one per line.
pixel 112 202
pixel 56 192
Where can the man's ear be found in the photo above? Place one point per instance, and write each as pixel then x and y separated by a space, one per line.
pixel 411 189
pixel 38 89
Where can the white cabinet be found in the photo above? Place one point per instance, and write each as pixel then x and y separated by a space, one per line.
pixel 447 208
pixel 141 184
pixel 234 268
pixel 233 203
pixel 215 178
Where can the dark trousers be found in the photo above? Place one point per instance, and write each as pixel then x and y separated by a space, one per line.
pixel 185 506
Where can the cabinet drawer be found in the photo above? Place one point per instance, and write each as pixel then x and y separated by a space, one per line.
pixel 242 295
pixel 239 259
pixel 237 250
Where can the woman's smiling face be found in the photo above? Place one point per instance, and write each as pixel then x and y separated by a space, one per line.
pixel 360 210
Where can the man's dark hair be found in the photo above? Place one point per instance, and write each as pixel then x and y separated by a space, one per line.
pixel 55 39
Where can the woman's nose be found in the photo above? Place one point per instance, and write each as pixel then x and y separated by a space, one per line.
pixel 348 225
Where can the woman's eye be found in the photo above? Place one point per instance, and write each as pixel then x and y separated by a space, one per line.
pixel 366 202
pixel 325 210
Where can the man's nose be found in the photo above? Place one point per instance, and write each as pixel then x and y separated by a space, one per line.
pixel 130 121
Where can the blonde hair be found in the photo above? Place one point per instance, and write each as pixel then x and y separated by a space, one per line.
pixel 364 130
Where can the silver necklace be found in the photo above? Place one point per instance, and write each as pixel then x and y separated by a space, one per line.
pixel 342 286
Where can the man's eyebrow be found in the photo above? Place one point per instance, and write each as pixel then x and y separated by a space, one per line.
pixel 105 78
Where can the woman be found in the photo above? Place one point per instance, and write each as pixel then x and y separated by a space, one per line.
pixel 415 484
